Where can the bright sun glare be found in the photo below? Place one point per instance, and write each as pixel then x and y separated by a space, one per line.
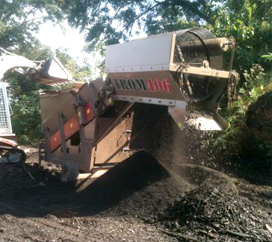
pixel 62 37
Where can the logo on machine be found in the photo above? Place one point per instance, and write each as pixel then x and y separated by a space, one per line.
pixel 142 84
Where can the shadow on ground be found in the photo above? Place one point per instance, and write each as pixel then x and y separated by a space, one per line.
pixel 61 199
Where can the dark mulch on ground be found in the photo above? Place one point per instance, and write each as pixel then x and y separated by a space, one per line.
pixel 141 199
pixel 214 213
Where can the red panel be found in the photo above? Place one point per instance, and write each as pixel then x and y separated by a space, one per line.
pixel 71 126
pixel 55 141
pixel 88 112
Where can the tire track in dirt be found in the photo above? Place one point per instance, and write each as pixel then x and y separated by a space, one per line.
pixel 37 229
pixel 8 228
pixel 64 228
pixel 59 231
pixel 23 230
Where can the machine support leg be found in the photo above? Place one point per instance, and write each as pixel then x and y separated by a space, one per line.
pixel 62 136
pixel 83 142
pixel 96 126
pixel 47 145
pixel 92 94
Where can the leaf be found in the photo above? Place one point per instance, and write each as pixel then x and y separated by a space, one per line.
pixel 250 12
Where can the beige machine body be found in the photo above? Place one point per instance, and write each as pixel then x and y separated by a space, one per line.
pixel 89 127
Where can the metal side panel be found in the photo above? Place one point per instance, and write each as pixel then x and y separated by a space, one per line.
pixel 158 85
pixel 52 105
pixel 112 139
pixel 75 154
pixel 152 53
pixel 89 91
pixel 113 148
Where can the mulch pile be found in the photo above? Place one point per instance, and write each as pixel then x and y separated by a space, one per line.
pixel 188 202
pixel 215 213
pixel 13 178
pixel 139 186
pixel 18 177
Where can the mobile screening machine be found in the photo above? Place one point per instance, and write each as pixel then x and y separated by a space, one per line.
pixel 90 126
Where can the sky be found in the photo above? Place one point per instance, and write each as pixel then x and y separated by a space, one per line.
pixel 64 37
pixel 55 37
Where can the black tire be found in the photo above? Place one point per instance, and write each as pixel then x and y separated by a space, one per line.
pixel 16 155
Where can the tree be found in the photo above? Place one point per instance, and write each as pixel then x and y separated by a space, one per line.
pixel 80 73
pixel 110 21
pixel 26 120
pixel 250 23
pixel 19 20
pixel 246 139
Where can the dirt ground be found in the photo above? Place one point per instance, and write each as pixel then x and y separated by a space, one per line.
pixel 141 199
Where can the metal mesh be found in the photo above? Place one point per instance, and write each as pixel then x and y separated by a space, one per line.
pixel 195 50
pixel 3 111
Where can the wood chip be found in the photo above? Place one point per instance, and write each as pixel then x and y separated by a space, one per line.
pixel 239 234
pixel 268 228
pixel 179 235
pixel 209 234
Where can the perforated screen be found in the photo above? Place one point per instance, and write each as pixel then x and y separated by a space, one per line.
pixel 195 46
pixel 5 124
pixel 3 111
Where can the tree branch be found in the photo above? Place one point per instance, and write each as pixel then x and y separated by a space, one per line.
pixel 141 15
pixel 187 5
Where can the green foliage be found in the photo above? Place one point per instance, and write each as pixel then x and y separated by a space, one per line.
pixel 19 20
pixel 267 57
pixel 250 23
pixel 80 73
pixel 111 21
pixel 227 144
pixel 235 143
pixel 257 83
pixel 26 119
